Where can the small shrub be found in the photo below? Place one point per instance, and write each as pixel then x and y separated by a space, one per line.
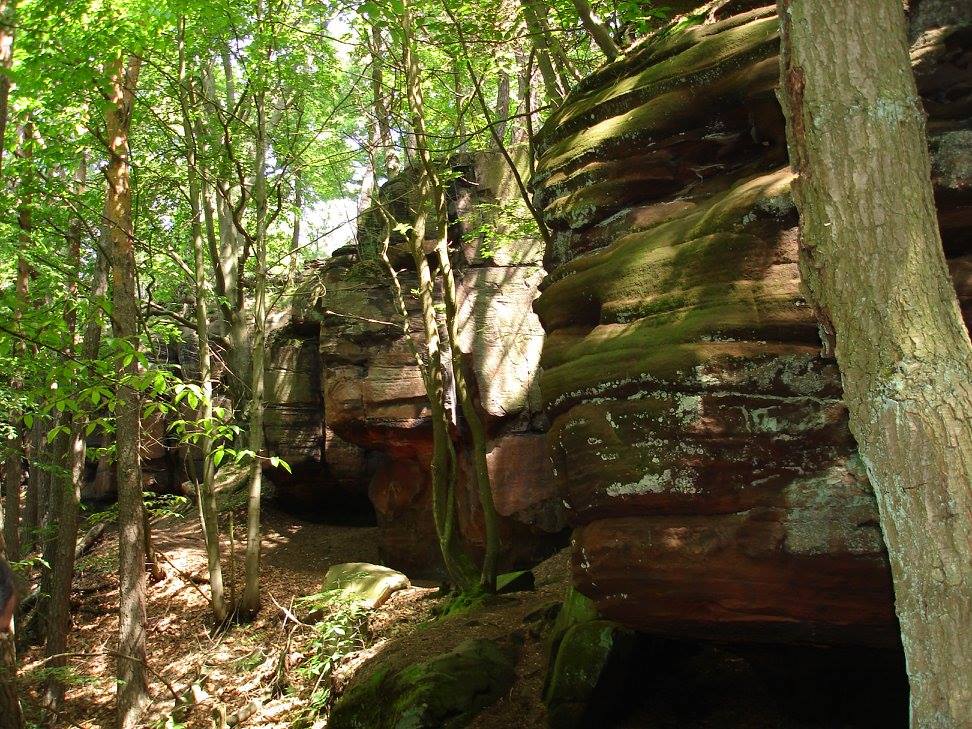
pixel 342 629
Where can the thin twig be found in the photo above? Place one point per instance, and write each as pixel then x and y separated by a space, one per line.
pixel 288 614
pixel 361 318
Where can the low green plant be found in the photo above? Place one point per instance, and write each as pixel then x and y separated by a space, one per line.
pixel 341 630
pixel 250 661
pixel 460 602
pixel 101 563
pixel 66 675
pixel 158 506
pixel 164 505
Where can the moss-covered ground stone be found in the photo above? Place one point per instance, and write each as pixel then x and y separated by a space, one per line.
pixel 369 584
pixel 444 692
pixel 585 654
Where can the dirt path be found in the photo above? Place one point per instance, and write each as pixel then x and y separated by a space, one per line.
pixel 239 666
pixel 296 555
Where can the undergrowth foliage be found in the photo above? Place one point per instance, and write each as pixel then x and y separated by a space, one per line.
pixel 339 628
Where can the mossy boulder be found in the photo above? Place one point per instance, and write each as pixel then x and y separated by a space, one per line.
pixel 581 671
pixel 577 608
pixel 445 692
pixel 584 655
pixel 360 582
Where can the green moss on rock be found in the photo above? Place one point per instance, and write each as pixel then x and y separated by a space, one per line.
pixel 577 608
pixel 445 692
pixel 585 655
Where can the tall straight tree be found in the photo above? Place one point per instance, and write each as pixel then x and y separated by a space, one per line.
pixel 872 258
pixel 474 422
pixel 250 601
pixel 68 486
pixel 13 468
pixel 13 475
pixel 442 467
pixel 598 31
pixel 541 46
pixel 223 205
pixel 132 684
pixel 205 489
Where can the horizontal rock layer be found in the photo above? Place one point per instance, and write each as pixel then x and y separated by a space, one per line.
pixel 698 433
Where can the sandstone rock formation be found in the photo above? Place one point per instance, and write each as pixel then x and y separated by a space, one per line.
pixel 698 433
pixel 367 422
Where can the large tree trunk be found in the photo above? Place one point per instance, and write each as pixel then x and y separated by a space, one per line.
pixel 873 261
pixel 132 684
pixel 13 466
pixel 228 255
pixel 431 183
pixel 393 163
pixel 541 46
pixel 566 71
pixel 42 454
pixel 526 104
pixel 13 471
pixel 13 481
pixel 477 430
pixel 37 477
pixel 294 253
pixel 502 114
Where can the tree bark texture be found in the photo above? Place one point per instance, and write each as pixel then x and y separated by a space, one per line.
pixel 228 257
pixel 597 30
pixel 132 684
pixel 68 491
pixel 540 41
pixel 13 466
pixel 477 430
pixel 873 262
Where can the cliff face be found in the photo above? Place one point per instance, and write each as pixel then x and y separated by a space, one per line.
pixel 360 421
pixel 698 432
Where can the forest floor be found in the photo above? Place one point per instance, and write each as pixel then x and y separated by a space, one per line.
pixel 264 668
